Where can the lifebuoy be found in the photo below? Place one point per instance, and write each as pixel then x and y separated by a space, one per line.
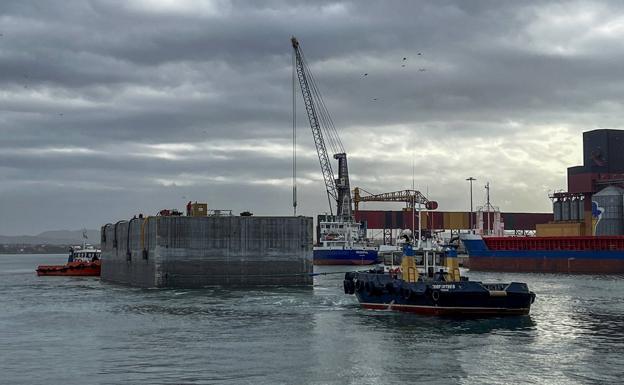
pixel 435 295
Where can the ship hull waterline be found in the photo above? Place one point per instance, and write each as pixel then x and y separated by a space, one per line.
pixel 547 264
pixel 583 260
pixel 445 311
pixel 344 257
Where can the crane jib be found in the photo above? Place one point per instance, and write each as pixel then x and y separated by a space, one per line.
pixel 338 189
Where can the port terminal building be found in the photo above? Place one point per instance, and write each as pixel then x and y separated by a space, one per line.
pixel 593 201
pixel 387 224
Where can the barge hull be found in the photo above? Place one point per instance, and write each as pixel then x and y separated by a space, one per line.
pixel 194 252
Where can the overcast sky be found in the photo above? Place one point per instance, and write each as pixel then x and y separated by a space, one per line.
pixel 111 108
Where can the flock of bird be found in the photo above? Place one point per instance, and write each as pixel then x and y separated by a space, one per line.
pixel 403 64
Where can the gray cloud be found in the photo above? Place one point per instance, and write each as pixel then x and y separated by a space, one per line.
pixel 112 108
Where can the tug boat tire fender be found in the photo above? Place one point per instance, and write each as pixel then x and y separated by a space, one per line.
pixel 349 287
pixel 406 293
pixel 435 295
pixel 368 286
pixel 372 288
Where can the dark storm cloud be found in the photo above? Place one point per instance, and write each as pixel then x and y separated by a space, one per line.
pixel 108 108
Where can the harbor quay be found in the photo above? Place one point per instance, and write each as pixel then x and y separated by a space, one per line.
pixel 193 252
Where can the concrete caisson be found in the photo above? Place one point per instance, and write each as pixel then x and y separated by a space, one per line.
pixel 204 251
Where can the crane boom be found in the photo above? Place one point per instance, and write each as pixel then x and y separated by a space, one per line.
pixel 411 197
pixel 338 190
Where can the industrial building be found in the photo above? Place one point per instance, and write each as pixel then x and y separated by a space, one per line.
pixel 453 221
pixel 593 202
pixel 389 223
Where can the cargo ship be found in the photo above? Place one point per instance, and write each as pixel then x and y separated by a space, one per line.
pixel 341 243
pixel 587 233
pixel 440 291
pixel 83 262
pixel 589 254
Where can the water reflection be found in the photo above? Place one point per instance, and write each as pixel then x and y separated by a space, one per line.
pixel 282 335
pixel 419 323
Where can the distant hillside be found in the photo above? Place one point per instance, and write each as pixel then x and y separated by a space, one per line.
pixel 55 237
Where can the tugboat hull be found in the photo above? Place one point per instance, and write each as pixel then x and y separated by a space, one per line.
pixel 446 311
pixel 71 269
pixel 462 298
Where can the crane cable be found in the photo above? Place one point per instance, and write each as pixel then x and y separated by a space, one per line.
pixel 294 133
pixel 325 120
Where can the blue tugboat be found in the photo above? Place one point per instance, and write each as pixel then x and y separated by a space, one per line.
pixel 435 288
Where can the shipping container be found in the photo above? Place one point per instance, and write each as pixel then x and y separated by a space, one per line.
pixel 199 209
pixel 558 229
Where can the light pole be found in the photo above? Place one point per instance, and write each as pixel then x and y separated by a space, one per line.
pixel 470 179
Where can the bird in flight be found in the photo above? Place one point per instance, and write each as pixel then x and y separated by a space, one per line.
pixel 404 59
pixel 366 74
pixel 422 69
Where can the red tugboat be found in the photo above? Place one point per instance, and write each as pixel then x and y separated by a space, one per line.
pixel 82 262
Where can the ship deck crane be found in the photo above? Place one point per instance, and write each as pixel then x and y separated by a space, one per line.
pixel 338 189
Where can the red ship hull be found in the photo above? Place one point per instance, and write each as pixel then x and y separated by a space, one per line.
pixel 71 269
pixel 547 265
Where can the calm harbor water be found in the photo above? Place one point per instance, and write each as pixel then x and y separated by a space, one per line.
pixel 58 330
